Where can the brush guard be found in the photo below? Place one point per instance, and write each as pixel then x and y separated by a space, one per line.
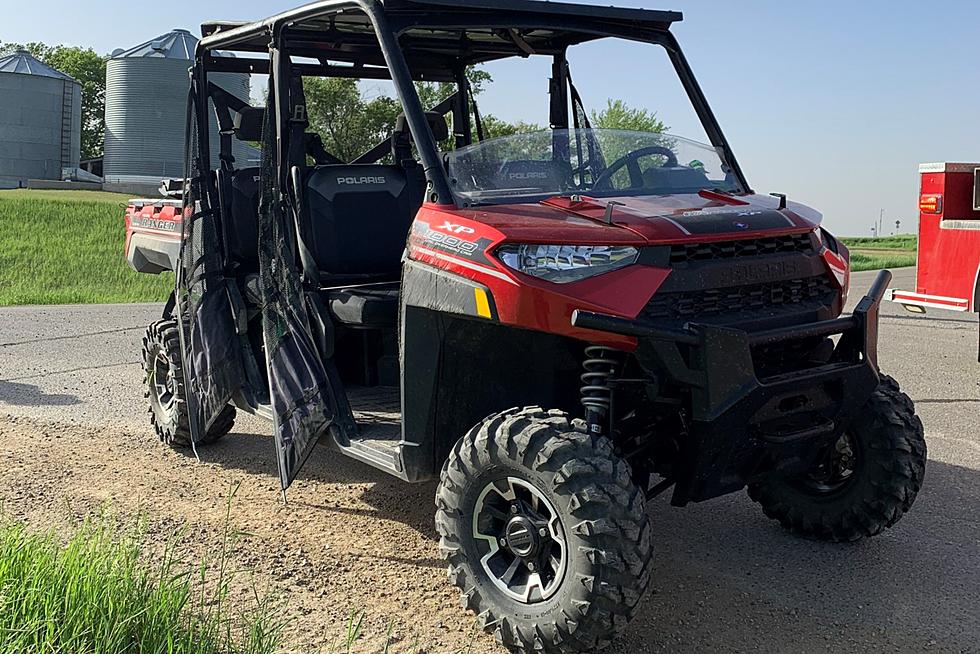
pixel 744 426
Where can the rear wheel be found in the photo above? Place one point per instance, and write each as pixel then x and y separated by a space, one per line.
pixel 164 389
pixel 865 483
pixel 545 533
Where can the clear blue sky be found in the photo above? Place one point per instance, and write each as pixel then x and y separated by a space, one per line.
pixel 834 103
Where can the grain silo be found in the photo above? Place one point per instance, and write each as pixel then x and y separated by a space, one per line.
pixel 145 110
pixel 40 119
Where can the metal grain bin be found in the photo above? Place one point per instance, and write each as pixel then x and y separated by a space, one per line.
pixel 40 119
pixel 145 110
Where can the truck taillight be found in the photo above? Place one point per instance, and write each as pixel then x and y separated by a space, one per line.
pixel 931 203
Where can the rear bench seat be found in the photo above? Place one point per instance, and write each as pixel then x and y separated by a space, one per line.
pixel 356 221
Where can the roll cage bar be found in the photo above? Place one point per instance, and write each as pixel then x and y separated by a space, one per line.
pixel 435 40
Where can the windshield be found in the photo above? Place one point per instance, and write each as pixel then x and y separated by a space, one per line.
pixel 596 162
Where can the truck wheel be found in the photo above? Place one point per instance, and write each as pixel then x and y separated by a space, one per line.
pixel 545 533
pixel 164 389
pixel 867 482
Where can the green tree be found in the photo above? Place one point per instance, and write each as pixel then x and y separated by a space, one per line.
pixel 347 123
pixel 495 127
pixel 619 115
pixel 350 124
pixel 88 68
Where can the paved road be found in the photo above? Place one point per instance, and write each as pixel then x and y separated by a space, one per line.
pixel 727 579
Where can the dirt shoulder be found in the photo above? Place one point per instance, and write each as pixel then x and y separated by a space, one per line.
pixel 353 540
pixel 345 543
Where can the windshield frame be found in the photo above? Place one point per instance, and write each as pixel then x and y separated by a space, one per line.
pixel 663 38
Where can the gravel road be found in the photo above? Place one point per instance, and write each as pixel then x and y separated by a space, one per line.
pixel 73 437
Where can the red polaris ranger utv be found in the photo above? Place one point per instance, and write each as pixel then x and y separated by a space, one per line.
pixel 558 325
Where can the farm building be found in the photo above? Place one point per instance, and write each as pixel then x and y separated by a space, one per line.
pixel 40 120
pixel 146 107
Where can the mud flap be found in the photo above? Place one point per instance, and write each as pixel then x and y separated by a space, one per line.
pixel 302 400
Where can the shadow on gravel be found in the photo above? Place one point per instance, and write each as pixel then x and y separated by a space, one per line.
pixel 728 579
pixel 30 395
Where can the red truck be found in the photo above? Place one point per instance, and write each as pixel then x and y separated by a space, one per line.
pixel 948 272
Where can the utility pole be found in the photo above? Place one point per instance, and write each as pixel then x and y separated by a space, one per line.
pixel 881 217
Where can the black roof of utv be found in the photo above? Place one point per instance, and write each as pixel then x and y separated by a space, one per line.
pixel 649 17
pixel 432 31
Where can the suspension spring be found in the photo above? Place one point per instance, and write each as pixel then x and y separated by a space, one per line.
pixel 600 365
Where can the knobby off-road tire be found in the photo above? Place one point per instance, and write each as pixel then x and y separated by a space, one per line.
pixel 550 465
pixel 888 464
pixel 164 389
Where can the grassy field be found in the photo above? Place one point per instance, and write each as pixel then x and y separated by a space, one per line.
pixel 66 247
pixel 886 252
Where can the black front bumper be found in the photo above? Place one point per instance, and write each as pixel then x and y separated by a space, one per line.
pixel 744 426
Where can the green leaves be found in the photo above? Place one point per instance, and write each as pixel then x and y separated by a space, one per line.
pixel 347 123
pixel 350 122
pixel 619 115
pixel 89 69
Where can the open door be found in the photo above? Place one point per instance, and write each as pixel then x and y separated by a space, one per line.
pixel 303 402
pixel 209 340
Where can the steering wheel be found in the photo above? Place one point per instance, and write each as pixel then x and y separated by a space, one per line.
pixel 632 164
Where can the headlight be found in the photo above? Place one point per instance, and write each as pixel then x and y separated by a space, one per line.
pixel 562 264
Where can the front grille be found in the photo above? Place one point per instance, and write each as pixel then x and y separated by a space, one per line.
pixel 767 299
pixel 696 252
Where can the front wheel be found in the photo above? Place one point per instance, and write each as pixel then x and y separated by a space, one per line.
pixel 164 390
pixel 545 533
pixel 866 481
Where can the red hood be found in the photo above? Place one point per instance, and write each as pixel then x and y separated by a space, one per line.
pixel 706 216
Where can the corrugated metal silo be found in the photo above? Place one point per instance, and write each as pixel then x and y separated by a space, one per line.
pixel 145 110
pixel 40 119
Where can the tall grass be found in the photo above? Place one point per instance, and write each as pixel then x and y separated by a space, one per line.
pixel 897 242
pixel 886 252
pixel 70 249
pixel 97 594
pixel 873 261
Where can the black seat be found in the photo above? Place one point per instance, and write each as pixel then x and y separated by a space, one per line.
pixel 368 308
pixel 242 197
pixel 356 223
pixel 365 307
pixel 533 176
pixel 546 175
pixel 358 217
pixel 243 228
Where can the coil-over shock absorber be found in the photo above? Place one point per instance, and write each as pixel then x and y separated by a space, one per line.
pixel 600 365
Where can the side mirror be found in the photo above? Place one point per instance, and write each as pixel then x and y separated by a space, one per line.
pixel 173 188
